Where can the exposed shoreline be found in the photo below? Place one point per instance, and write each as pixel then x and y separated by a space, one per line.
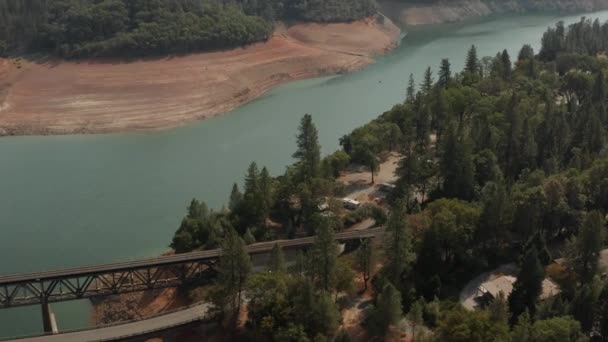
pixel 66 97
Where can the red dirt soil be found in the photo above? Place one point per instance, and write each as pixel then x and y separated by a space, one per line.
pixel 66 97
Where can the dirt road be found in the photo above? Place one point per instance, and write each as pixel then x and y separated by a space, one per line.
pixel 60 97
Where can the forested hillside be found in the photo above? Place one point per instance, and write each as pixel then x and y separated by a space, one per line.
pixel 503 163
pixel 80 28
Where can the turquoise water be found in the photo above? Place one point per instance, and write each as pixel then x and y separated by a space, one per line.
pixel 76 200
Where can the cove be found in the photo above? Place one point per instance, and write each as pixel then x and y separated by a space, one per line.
pixel 77 200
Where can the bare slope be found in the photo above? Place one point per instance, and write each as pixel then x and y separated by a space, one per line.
pixel 59 97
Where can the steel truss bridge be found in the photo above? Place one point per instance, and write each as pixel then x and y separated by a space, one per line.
pixel 124 277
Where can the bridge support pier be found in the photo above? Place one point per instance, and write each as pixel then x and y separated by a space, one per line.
pixel 48 319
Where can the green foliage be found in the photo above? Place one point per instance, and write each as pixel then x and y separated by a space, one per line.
pixel 398 245
pixel 277 260
pixel 460 325
pixel 108 28
pixel 324 256
pixel 528 286
pixel 386 312
pixel 201 228
pixel 584 249
pixel 234 268
pixel 557 329
pixel 284 307
pixel 308 152
pixel 365 260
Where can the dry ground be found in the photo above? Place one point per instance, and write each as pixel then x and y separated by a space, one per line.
pixel 61 97
pixel 358 179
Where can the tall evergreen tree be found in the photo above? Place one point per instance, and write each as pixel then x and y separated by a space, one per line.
pixel 427 84
pixel 234 269
pixel 236 198
pixel 386 312
pixel 324 255
pixel 308 153
pixel 365 260
pixel 265 193
pixel 583 250
pixel 398 245
pixel 457 168
pixel 410 94
pixel 445 73
pixel 528 286
pixel 472 61
pixel 506 64
pixel 276 263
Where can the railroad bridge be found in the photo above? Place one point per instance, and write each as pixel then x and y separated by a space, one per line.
pixel 48 287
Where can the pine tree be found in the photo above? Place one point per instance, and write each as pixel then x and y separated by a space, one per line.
pixel 415 316
pixel 248 237
pixel 583 250
pixel 445 73
pixel 528 286
pixel 529 147
pixel 386 312
pixel 308 153
pixel 398 245
pixel 234 268
pixel 324 255
pixel 513 145
pixel 499 309
pixel 526 53
pixel 507 66
pixel 410 95
pixel 427 85
pixel 276 263
pixel 365 260
pixel 472 61
pixel 236 198
pixel 194 210
pixel 457 166
pixel 522 331
pixel 265 193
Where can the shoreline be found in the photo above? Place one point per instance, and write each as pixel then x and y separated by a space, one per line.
pixel 89 97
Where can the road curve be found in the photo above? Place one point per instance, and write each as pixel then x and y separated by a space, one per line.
pixel 133 329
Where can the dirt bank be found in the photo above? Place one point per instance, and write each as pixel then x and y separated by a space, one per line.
pixel 444 11
pixel 59 97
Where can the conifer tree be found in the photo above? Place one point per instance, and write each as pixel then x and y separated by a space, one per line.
pixel 308 153
pixel 234 269
pixel 398 245
pixel 365 260
pixel 410 94
pixel 506 64
pixel 427 85
pixel 445 73
pixel 528 286
pixel 324 255
pixel 472 61
pixel 276 263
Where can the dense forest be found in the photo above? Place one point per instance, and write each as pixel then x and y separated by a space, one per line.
pixel 510 159
pixel 81 28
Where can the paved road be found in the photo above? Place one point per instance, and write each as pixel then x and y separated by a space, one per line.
pixel 114 332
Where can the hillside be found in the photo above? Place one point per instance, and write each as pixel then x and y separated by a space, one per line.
pixel 62 97
pixel 441 11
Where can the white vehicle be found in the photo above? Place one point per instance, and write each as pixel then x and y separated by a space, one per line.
pixel 350 203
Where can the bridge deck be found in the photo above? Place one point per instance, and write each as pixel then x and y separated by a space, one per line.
pixel 256 248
